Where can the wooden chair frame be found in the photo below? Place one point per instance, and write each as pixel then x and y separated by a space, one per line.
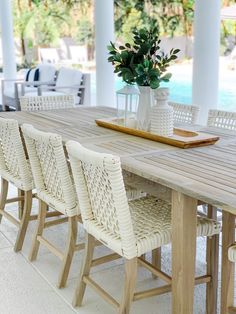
pixel 131 266
pixel 24 200
pixel 71 246
pixel 66 256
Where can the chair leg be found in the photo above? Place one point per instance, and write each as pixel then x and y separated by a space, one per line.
pixel 39 230
pixel 156 259
pixel 227 267
pixel 212 256
pixel 70 249
pixel 4 192
pixel 24 221
pixel 80 289
pixel 130 280
pixel 20 204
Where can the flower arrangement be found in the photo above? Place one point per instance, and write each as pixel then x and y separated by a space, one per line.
pixel 142 62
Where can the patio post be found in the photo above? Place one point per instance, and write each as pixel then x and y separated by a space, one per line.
pixel 8 46
pixel 104 33
pixel 206 56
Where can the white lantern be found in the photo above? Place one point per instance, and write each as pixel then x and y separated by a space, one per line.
pixel 127 101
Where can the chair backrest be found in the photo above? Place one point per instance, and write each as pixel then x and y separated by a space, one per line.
pixel 222 119
pixel 102 197
pixel 42 73
pixel 186 114
pixel 36 103
pixel 79 54
pixel 13 163
pixel 47 72
pixel 50 170
pixel 49 55
pixel 69 77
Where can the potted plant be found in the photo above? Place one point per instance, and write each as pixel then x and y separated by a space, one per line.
pixel 143 63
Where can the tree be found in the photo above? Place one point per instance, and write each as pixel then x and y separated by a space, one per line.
pixel 172 16
pixel 39 22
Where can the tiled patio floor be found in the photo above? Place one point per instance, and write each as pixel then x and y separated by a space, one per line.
pixel 28 288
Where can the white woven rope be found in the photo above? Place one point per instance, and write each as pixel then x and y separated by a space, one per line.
pixel 232 253
pixel 37 103
pixel 13 164
pixel 129 228
pixel 222 119
pixel 50 170
pixel 185 113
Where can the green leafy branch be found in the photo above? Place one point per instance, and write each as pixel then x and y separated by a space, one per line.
pixel 142 63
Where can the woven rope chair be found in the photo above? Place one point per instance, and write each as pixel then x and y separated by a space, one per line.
pixel 222 119
pixel 15 169
pixel 37 103
pixel 185 114
pixel 230 293
pixel 131 229
pixel 54 189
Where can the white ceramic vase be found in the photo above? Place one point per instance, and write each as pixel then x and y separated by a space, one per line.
pixel 144 108
pixel 162 120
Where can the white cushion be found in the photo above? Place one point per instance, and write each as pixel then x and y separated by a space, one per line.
pixel 46 72
pixel 31 74
pixel 68 77
pixel 10 92
pixel 29 89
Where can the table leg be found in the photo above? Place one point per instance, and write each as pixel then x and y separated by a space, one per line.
pixel 184 227
pixel 212 257
pixel 227 270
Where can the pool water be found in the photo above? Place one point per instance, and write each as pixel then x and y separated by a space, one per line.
pixel 180 86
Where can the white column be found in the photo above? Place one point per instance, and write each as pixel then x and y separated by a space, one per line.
pixel 8 47
pixel 104 33
pixel 206 56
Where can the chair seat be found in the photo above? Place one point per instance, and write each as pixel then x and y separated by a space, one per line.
pixel 152 223
pixel 10 92
pixel 232 253
pixel 151 218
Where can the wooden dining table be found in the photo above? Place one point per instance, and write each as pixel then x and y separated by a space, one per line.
pixel 185 176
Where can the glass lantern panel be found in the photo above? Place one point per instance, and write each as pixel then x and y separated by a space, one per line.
pixel 127 107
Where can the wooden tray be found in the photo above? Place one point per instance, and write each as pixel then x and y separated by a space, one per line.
pixel 181 138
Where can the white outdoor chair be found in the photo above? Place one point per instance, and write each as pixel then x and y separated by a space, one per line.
pixel 52 56
pixel 13 89
pixel 37 103
pixel 54 190
pixel 131 229
pixel 79 54
pixel 49 55
pixel 185 114
pixel 15 169
pixel 222 119
pixel 69 82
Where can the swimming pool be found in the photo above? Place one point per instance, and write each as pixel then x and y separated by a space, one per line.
pixel 180 87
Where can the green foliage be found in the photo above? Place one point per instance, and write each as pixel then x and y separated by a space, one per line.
pixel 85 32
pixel 174 17
pixel 134 18
pixel 142 61
pixel 41 24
